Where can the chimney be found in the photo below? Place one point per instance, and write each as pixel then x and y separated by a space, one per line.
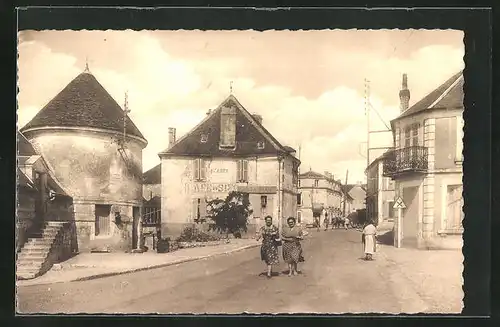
pixel 257 118
pixel 171 136
pixel 404 94
pixel 209 112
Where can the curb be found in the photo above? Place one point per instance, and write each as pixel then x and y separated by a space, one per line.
pixel 104 275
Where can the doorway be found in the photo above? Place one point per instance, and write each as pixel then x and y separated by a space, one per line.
pixel 136 214
pixel 102 220
pixel 410 217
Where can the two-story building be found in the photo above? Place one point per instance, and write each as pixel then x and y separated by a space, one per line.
pixel 380 192
pixel 229 150
pixel 319 194
pixel 426 165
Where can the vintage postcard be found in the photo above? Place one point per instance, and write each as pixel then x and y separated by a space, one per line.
pixel 311 171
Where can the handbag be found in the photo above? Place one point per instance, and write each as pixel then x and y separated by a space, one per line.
pixel 278 242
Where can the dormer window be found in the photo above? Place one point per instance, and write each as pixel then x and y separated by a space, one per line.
pixel 261 145
pixel 204 138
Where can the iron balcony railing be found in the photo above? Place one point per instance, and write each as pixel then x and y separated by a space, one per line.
pixel 411 159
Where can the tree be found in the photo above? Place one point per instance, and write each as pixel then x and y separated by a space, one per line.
pixel 231 214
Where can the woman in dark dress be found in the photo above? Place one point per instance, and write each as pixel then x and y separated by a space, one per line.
pixel 270 240
pixel 292 250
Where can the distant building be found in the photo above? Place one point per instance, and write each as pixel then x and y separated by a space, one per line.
pixel 358 194
pixel 80 134
pixel 380 192
pixel 319 193
pixel 426 165
pixel 229 150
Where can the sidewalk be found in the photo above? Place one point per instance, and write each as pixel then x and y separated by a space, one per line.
pixel 97 265
pixel 436 275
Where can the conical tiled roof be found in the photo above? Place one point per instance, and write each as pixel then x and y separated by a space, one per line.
pixel 83 103
pixel 448 95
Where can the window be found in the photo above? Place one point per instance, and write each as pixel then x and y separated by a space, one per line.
pixel 243 171
pixel 199 210
pixel 299 182
pixel 316 183
pixel 411 135
pixel 299 217
pixel 299 199
pixel 261 145
pixel 204 138
pixel 263 201
pixel 199 169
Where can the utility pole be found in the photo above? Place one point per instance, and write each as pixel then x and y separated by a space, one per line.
pixel 367 113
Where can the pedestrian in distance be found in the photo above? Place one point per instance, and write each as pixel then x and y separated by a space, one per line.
pixel 369 240
pixel 346 223
pixel 292 249
pixel 269 234
pixel 326 221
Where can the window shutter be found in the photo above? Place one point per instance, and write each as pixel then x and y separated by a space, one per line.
pixel 239 170
pixel 196 168
pixel 245 170
pixel 202 169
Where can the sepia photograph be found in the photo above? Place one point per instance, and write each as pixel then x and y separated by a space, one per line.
pixel 240 171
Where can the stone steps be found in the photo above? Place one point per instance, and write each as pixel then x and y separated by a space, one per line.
pixel 32 260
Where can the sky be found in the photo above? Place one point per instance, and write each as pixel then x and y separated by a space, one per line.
pixel 307 85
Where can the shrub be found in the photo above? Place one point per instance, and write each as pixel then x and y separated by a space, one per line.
pixel 230 215
pixel 192 234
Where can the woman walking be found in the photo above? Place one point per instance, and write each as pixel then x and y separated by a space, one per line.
pixel 292 250
pixel 270 242
pixel 369 242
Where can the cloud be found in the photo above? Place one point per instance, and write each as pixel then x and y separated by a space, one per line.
pixel 308 86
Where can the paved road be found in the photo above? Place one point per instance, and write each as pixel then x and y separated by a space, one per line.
pixel 333 280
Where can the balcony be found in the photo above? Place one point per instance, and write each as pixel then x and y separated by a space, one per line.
pixel 407 160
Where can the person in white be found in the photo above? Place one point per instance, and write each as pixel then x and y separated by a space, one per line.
pixel 369 241
pixel 346 222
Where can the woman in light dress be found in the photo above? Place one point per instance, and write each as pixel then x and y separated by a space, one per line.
pixel 369 241
pixel 270 241
pixel 292 250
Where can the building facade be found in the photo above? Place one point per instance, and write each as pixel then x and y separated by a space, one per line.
pixel 426 166
pixel 230 150
pixel 95 152
pixel 357 192
pixel 319 194
pixel 40 197
pixel 380 193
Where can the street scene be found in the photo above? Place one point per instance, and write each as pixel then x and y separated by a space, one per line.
pixel 240 171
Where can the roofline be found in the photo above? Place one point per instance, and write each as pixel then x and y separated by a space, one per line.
pixel 445 93
pixel 428 110
pixel 250 117
pixel 88 129
pixel 431 106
